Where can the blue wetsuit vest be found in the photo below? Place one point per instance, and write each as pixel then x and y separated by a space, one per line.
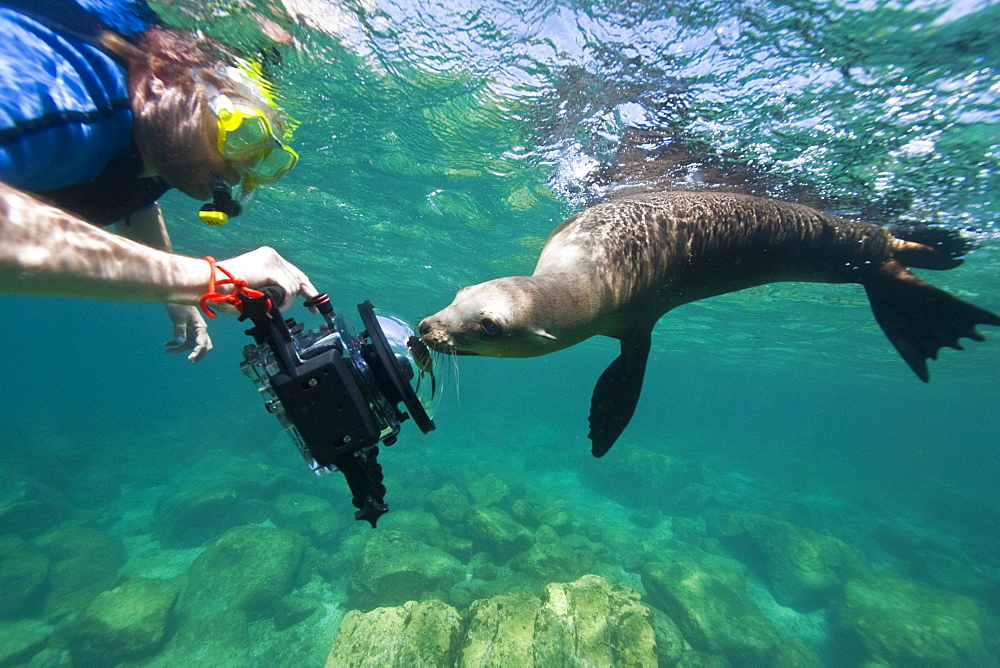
pixel 65 120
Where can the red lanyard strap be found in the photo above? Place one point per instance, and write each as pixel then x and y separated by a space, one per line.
pixel 235 298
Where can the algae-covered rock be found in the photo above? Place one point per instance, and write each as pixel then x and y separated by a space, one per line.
pixel 191 516
pixel 126 623
pixel 495 532
pixel 488 490
pixel 904 623
pixel 83 563
pixel 248 567
pixel 394 568
pixel 448 503
pixel 802 568
pixel 794 652
pixel 292 609
pixel 670 644
pixel 592 623
pixel 584 623
pixel 24 571
pixel 500 631
pixel 31 517
pixel 413 634
pixel 550 559
pixel 710 605
pixel 21 639
pixel 310 516
pixel 635 475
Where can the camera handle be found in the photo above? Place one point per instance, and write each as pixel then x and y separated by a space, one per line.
pixel 360 468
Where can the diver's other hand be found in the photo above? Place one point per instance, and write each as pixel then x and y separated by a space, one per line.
pixel 190 332
pixel 265 267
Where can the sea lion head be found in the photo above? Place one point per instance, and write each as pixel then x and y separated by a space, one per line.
pixel 493 319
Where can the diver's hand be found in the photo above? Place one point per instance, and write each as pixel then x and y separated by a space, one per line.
pixel 190 332
pixel 265 267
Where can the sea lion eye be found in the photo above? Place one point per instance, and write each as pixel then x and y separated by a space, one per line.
pixel 489 327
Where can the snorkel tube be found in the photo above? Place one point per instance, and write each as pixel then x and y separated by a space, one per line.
pixel 223 205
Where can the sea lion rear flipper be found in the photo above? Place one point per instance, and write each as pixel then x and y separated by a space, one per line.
pixel 617 393
pixel 920 319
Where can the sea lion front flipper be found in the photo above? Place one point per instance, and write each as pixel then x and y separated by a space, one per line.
pixel 617 392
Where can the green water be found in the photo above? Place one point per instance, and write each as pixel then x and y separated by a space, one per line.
pixel 440 145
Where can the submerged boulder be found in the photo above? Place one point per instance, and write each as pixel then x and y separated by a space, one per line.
pixel 501 631
pixel 24 572
pixel 710 605
pixel 413 634
pixel 192 516
pixel 636 475
pixel 126 623
pixel 495 532
pixel 310 516
pixel 903 623
pixel 83 563
pixel 21 639
pixel 592 623
pixel 249 567
pixel 802 568
pixel 550 558
pixel 584 623
pixel 394 568
pixel 448 503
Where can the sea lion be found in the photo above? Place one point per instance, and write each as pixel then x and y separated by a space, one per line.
pixel 615 268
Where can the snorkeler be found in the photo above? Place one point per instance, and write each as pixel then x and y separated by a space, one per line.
pixel 103 111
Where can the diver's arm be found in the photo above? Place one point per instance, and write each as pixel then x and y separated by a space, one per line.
pixel 45 251
pixel 190 331
pixel 147 227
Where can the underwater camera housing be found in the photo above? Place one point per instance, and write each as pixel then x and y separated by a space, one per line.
pixel 337 392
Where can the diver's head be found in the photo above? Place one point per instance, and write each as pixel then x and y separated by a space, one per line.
pixel 202 117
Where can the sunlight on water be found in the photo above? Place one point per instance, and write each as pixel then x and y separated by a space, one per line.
pixel 787 493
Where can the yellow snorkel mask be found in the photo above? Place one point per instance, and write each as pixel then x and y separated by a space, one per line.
pixel 247 139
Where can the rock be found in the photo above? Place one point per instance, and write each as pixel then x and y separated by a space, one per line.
pixel 636 475
pixel 525 513
pixel 448 503
pixel 126 623
pixel 21 639
pixel 903 623
pixel 394 568
pixel 582 623
pixel 550 559
pixel 795 652
pixel 248 567
pixel 670 643
pixel 495 532
pixel 192 516
pixel 310 516
pixel 488 491
pixel 802 568
pixel 501 631
pixel 711 607
pixel 24 572
pixel 417 524
pixel 31 517
pixel 83 563
pixel 591 623
pixel 292 609
pixel 414 634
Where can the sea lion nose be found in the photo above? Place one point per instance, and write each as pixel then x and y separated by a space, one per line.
pixel 423 327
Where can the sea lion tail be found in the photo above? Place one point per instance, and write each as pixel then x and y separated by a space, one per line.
pixel 928 247
pixel 920 319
